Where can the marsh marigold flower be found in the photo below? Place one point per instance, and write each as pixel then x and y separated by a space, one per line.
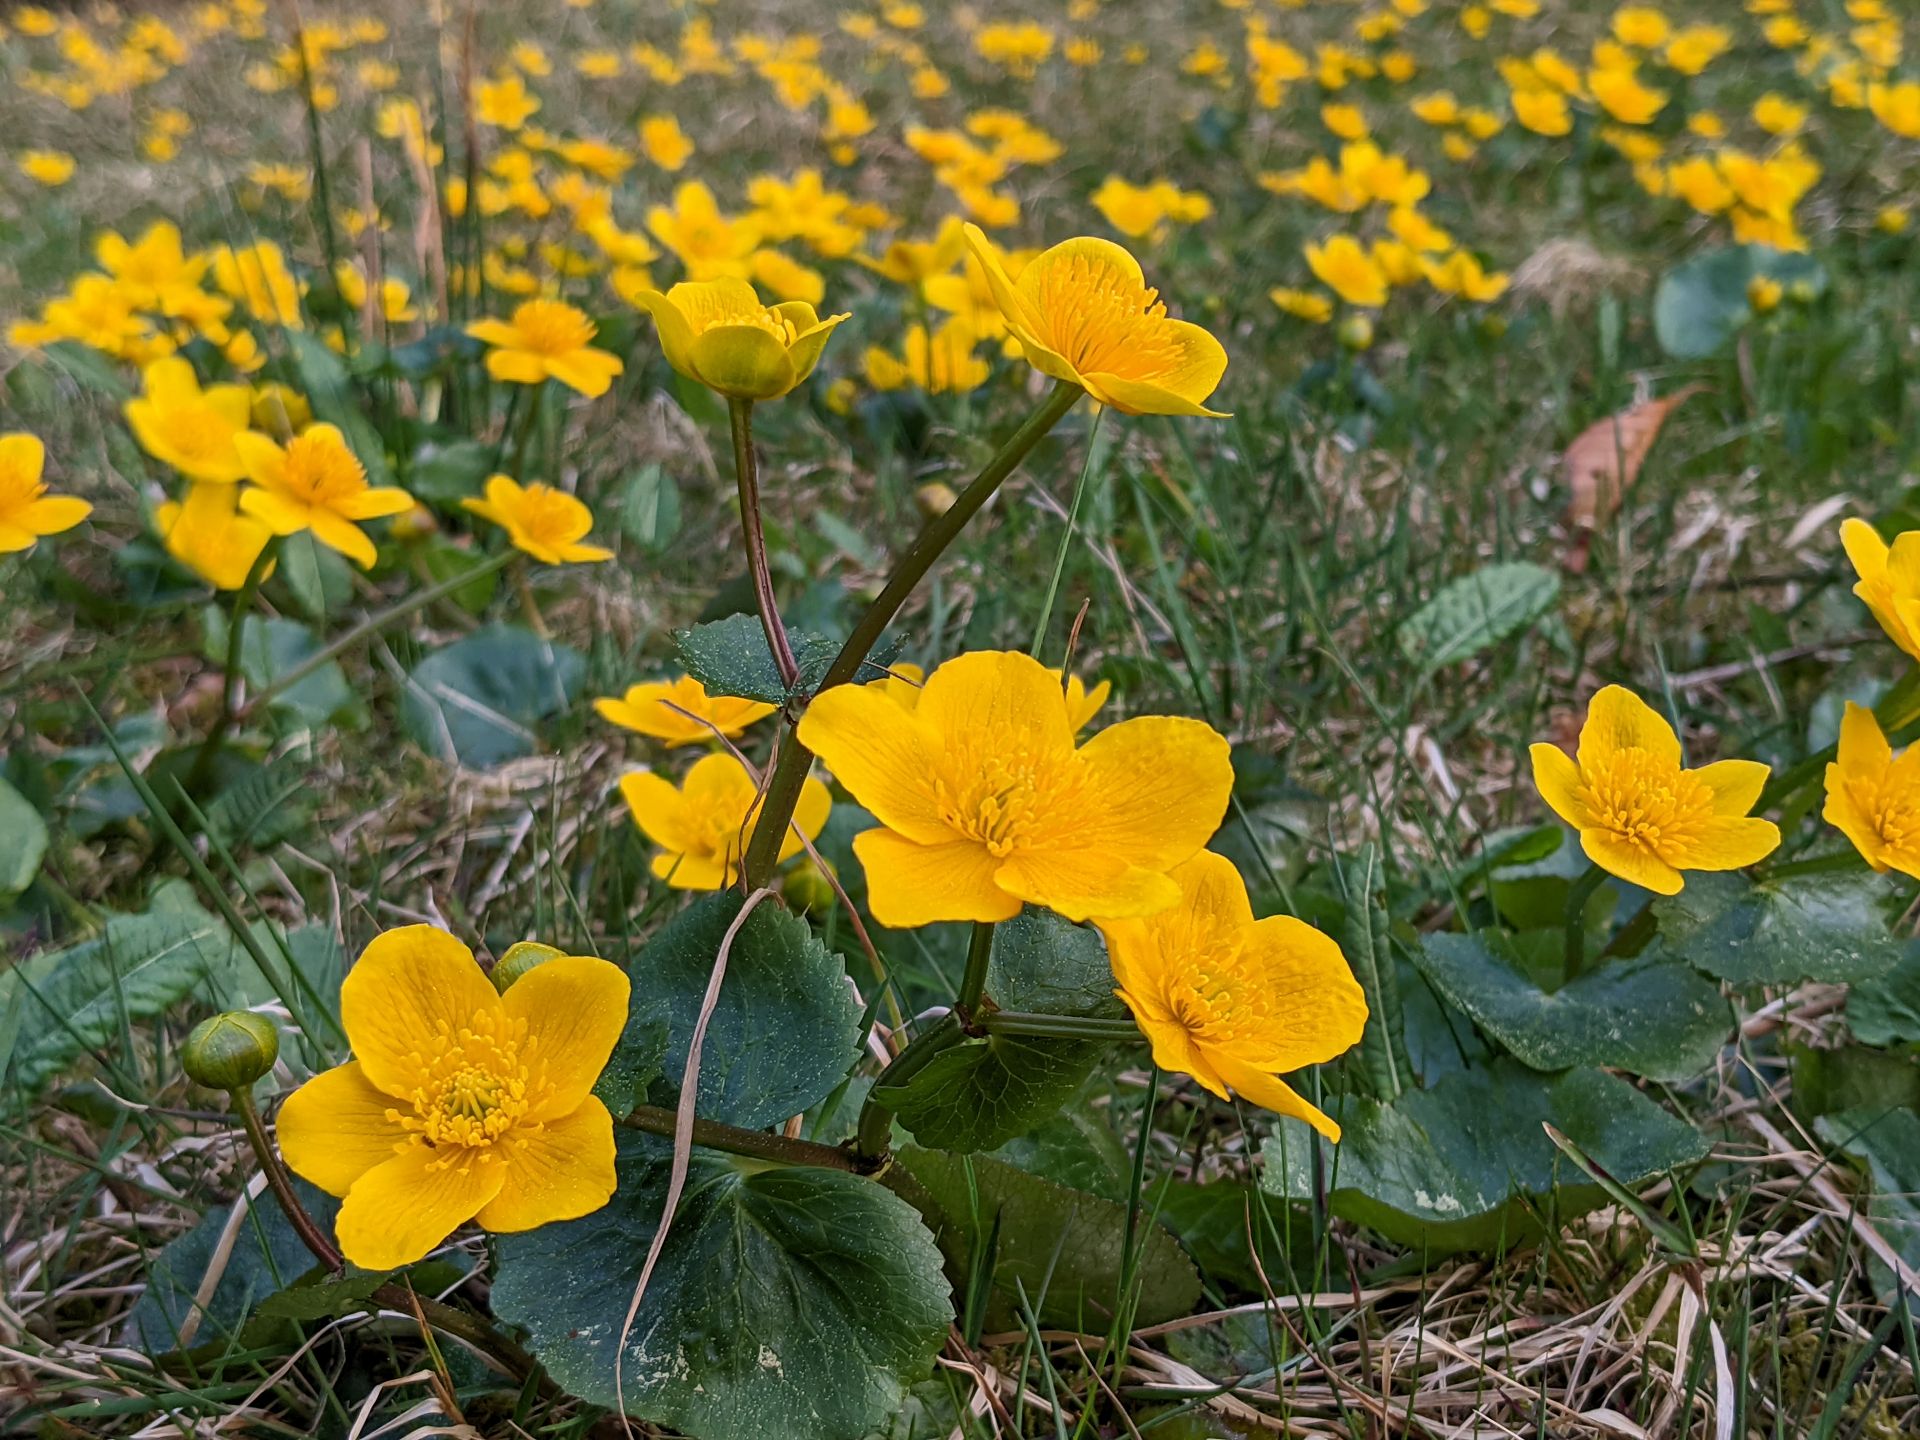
pixel 718 333
pixel 903 681
pixel 27 512
pixel 680 711
pixel 460 1103
pixel 193 430
pixel 985 801
pixel 1889 583
pixel 1345 268
pixel 543 522
pixel 547 340
pixel 1083 312
pixel 1873 795
pixel 702 826
pixel 1641 816
pixel 316 483
pixel 209 534
pixel 1233 1001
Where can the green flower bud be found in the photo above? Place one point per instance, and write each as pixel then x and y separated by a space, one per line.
pixel 518 960
pixel 807 889
pixel 231 1051
pixel 1355 332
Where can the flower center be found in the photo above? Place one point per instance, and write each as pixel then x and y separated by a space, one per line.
pixel 1895 812
pixel 198 431
pixel 548 327
pixel 321 472
pixel 1103 322
pixel 472 1084
pixel 1004 799
pixel 547 515
pixel 1217 995
pixel 1646 799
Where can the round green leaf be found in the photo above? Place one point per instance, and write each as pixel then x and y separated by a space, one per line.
pixel 787 1302
pixel 1652 1015
pixel 23 841
pixel 477 701
pixel 1828 928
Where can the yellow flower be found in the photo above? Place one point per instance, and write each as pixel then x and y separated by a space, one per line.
pixel 257 276
pixel 1082 311
pixel 1889 583
pixel 665 143
pixel 1763 294
pixel 546 523
pixel 1620 93
pixel 47 167
pixel 504 103
pixel 1542 111
pixel 939 363
pixel 708 243
pixel 1640 26
pixel 1897 107
pixel 718 332
pixel 1134 210
pixel 547 340
pixel 1641 816
pixel 1233 1001
pixel 985 801
pixel 1778 115
pixel 904 681
pixel 1693 49
pixel 1306 304
pixel 1349 122
pixel 702 827
pixel 1460 274
pixel 316 483
pixel 26 510
pixel 1347 270
pixel 1873 795
pixel 461 1103
pixel 210 535
pixel 191 429
pixel 680 712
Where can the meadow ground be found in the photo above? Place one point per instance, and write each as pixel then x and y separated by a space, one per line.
pixel 1560 341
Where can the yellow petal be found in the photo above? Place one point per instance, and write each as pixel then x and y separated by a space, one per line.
pixel 1557 779
pixel 1269 1092
pixel 1863 748
pixel 1188 379
pixel 972 702
pixel 1725 844
pixel 1618 719
pixel 408 984
pixel 692 872
pixel 1318 1008
pixel 744 361
pixel 344 536
pixel 335 1128
pixel 1082 883
pixel 877 749
pixel 1864 547
pixel 810 344
pixel 494 332
pixel 401 1209
pixel 516 367
pixel 658 809
pixel 1736 784
pixel 376 503
pixel 1013 307
pixel 1629 862
pixel 22 456
pixel 909 884
pixel 575 1007
pixel 275 511
pixel 588 371
pixel 1160 785
pixel 557 1171
pixel 52 514
pixel 1174 1049
pixel 265 462
pixel 676 332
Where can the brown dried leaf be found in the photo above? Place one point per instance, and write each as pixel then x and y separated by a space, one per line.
pixel 1605 459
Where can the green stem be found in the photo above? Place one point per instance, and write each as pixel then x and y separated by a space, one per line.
pixel 1066 540
pixel 1061 1027
pixel 354 634
pixel 278 1181
pixel 230 677
pixel 529 607
pixel 757 1144
pixel 795 760
pixel 1578 894
pixel 529 423
pixel 747 474
pixel 973 982
pixel 875 1133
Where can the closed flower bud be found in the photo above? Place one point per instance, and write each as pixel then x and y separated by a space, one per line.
pixel 1355 333
pixel 841 394
pixel 230 1051
pixel 518 960
pixel 807 889
pixel 415 524
pixel 935 499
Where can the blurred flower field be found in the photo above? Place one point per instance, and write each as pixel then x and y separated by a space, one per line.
pixel 1122 717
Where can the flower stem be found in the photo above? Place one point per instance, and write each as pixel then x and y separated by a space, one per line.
pixel 230 677
pixel 1066 539
pixel 1062 1027
pixel 529 607
pixel 747 472
pixel 973 981
pixel 875 1134
pixel 529 423
pixel 379 621
pixel 790 769
pixel 278 1181
pixel 757 1144
pixel 1578 894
